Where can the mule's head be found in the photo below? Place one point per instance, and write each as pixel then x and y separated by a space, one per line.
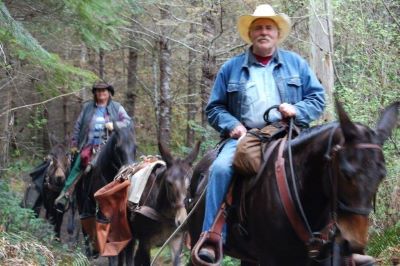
pixel 359 168
pixel 176 181
pixel 122 143
pixel 59 165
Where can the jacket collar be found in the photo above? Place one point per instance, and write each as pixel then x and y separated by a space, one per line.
pixel 249 58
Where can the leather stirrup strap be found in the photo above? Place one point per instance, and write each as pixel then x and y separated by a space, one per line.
pixel 213 237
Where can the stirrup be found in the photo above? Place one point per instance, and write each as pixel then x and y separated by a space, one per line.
pixel 212 240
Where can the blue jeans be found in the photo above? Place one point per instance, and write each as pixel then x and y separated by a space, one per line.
pixel 218 183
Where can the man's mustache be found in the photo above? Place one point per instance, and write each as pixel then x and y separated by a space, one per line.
pixel 263 38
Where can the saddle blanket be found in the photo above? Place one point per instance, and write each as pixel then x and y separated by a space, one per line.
pixel 139 180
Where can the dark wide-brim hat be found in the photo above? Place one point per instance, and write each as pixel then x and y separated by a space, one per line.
pixel 103 85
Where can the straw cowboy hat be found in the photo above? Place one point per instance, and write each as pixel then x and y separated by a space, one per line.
pixel 264 11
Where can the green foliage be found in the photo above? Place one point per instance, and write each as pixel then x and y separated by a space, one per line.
pixel 37 120
pixel 385 244
pixel 208 135
pixel 22 236
pixel 366 43
pixel 97 21
pixel 22 45
pixel 16 219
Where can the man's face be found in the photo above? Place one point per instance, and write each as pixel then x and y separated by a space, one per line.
pixel 264 35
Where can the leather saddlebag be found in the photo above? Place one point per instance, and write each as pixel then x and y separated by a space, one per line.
pixel 248 155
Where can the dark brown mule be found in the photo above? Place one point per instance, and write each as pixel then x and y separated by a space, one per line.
pixel 54 179
pixel 338 168
pixel 119 150
pixel 162 207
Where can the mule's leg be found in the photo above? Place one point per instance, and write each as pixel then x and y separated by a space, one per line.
pixel 113 261
pixel 128 252
pixel 38 206
pixel 176 246
pixel 71 218
pixel 142 256
pixel 58 223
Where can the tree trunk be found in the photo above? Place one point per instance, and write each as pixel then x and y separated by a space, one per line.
pixel 66 123
pixel 131 77
pixel 5 136
pixel 209 61
pixel 192 89
pixel 321 34
pixel 101 63
pixel 164 134
pixel 46 142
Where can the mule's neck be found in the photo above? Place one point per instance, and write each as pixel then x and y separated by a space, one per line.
pixel 312 171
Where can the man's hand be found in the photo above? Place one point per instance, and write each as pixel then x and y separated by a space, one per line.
pixel 109 126
pixel 287 110
pixel 238 131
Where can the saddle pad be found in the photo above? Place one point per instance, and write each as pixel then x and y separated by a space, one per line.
pixel 139 181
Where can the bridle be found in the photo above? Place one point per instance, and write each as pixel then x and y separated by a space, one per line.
pixel 331 156
pixel 315 240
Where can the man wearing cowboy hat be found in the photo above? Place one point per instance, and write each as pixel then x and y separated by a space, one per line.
pixel 248 84
pixel 95 120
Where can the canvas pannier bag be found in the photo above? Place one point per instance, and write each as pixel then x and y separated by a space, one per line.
pixel 248 155
pixel 112 227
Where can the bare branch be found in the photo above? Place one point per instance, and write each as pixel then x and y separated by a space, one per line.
pixel 178 19
pixel 39 103
pixel 319 20
pixel 220 53
pixel 168 38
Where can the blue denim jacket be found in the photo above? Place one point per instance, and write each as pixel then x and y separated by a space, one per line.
pixel 296 83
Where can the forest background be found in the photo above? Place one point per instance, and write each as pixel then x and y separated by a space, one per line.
pixel 162 57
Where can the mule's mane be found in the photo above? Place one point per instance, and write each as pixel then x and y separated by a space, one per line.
pixel 311 132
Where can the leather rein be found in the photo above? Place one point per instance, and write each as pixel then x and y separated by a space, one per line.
pixel 314 240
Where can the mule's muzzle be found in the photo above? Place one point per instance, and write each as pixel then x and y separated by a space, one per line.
pixel 354 229
pixel 181 215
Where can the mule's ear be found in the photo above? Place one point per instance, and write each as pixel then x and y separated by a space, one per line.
pixel 193 154
pixel 165 153
pixel 348 128
pixel 387 122
pixel 52 139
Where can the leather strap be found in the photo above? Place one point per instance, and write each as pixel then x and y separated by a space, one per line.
pixel 213 237
pixel 149 212
pixel 286 198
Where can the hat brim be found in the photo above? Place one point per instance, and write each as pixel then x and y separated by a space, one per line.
pixel 281 20
pixel 110 88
